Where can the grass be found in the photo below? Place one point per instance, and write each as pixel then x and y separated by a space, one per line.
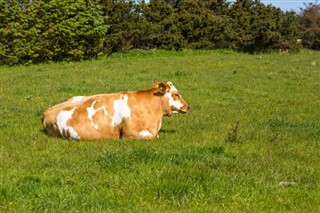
pixel 249 144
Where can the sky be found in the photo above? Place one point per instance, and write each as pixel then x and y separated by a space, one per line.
pixel 288 5
pixel 285 5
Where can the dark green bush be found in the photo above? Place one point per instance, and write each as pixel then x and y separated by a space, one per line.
pixel 38 31
pixel 309 26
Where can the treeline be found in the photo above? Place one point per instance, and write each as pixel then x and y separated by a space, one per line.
pixel 33 31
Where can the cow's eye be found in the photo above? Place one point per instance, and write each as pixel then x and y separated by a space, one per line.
pixel 176 95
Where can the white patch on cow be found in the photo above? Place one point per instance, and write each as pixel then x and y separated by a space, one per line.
pixel 121 110
pixel 73 133
pixel 62 119
pixel 92 111
pixel 77 99
pixel 145 133
pixel 176 104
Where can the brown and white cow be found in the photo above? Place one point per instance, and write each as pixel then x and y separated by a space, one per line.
pixel 135 114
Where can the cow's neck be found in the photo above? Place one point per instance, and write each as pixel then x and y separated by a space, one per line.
pixel 165 107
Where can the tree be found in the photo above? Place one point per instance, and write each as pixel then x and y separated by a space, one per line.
pixel 167 34
pixel 129 26
pixel 121 20
pixel 289 33
pixel 255 26
pixel 203 24
pixel 309 25
pixel 38 31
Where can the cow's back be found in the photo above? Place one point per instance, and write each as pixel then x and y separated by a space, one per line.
pixel 82 118
pixel 108 116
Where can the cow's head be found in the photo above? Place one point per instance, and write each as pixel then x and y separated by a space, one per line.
pixel 173 101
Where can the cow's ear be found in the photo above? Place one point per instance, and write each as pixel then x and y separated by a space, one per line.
pixel 162 87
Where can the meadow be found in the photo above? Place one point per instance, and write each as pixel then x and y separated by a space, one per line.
pixel 250 143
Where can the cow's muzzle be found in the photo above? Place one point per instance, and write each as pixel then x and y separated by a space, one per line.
pixel 185 109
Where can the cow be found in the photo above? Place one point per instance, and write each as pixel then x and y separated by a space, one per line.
pixel 131 114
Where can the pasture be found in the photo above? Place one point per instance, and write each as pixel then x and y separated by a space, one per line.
pixel 250 143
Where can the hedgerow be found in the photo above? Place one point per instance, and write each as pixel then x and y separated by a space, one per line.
pixel 50 30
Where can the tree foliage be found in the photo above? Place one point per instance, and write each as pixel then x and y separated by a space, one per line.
pixel 37 31
pixel 51 30
pixel 309 26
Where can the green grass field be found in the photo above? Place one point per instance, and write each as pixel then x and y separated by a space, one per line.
pixel 251 142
